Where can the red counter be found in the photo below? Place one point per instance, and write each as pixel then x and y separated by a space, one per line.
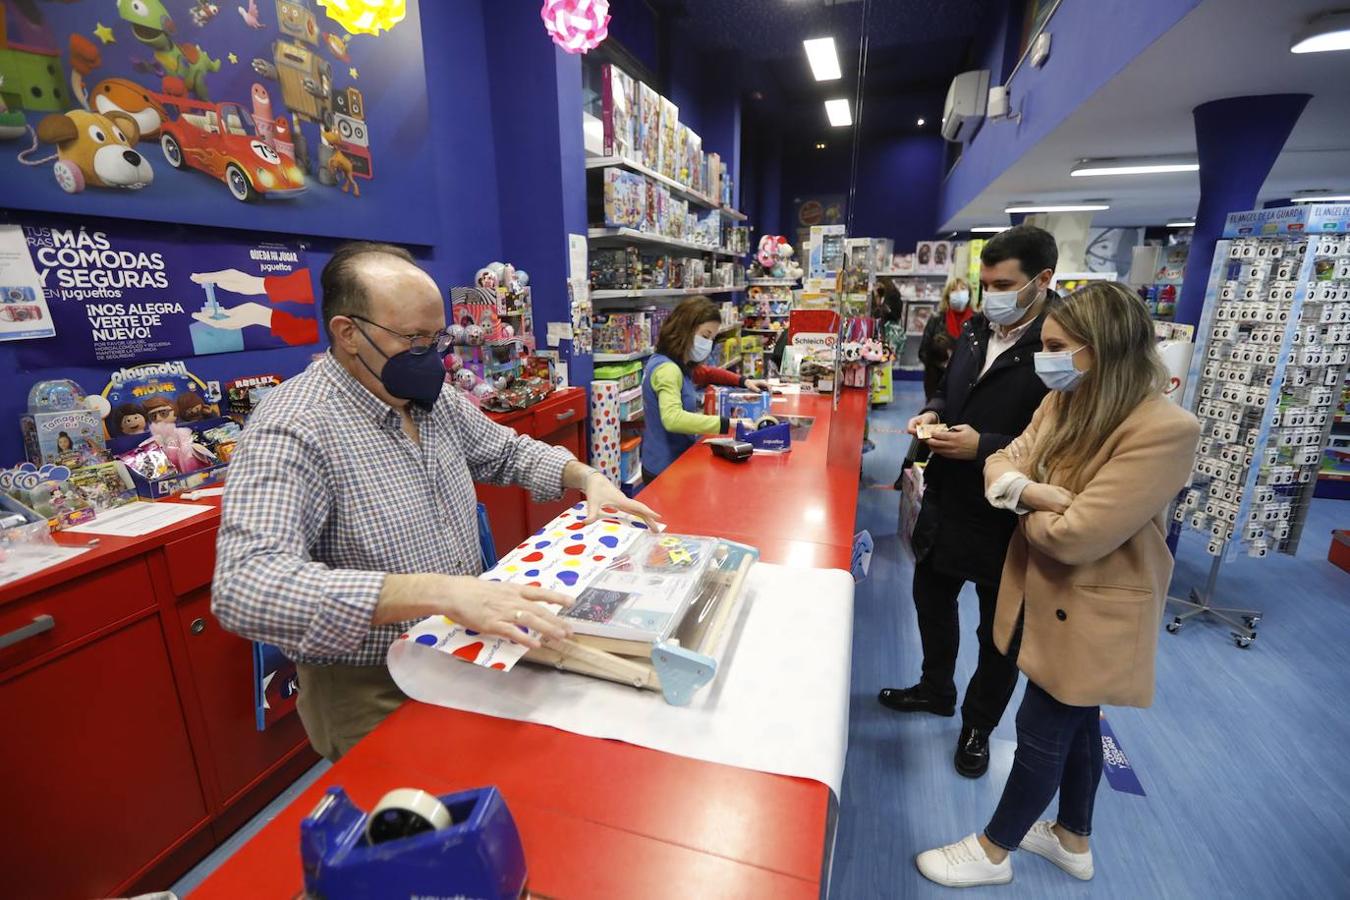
pixel 137 706
pixel 606 819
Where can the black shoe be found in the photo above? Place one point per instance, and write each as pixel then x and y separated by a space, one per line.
pixel 915 699
pixel 972 752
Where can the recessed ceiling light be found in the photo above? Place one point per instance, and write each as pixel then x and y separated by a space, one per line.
pixel 1182 223
pixel 839 113
pixel 820 145
pixel 1321 198
pixel 919 123
pixel 1155 165
pixel 1060 207
pixel 1330 31
pixel 989 229
pixel 824 60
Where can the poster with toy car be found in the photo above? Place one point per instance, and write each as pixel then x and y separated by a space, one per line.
pixel 280 115
pixel 119 297
pixel 23 306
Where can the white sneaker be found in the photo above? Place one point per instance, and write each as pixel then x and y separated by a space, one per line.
pixel 963 864
pixel 1043 841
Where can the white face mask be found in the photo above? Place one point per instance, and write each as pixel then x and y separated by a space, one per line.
pixel 702 347
pixel 1001 307
pixel 1057 370
pixel 958 300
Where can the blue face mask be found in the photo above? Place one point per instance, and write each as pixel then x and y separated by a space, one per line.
pixel 701 349
pixel 417 377
pixel 1057 370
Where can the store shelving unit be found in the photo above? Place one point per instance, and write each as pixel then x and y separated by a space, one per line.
pixel 679 190
pixel 663 292
pixel 602 236
pixel 623 357
pixel 915 312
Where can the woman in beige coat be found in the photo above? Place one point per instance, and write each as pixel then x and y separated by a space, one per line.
pixel 1086 573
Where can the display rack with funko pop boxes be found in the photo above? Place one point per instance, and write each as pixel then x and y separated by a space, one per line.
pixel 1270 362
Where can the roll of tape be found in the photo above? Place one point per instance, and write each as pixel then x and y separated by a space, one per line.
pixel 405 812
pixel 765 422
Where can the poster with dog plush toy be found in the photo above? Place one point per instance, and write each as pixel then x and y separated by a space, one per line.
pixel 300 116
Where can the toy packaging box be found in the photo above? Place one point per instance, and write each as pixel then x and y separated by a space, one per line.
pixel 736 404
pixel 667 159
pixel 649 126
pixel 693 155
pixel 681 156
pixel 71 437
pixel 712 165
pixel 615 268
pixel 625 199
pixel 618 102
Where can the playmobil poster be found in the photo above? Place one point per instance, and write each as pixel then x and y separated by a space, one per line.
pixel 120 297
pixel 256 114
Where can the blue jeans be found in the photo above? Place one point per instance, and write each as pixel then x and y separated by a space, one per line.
pixel 1059 747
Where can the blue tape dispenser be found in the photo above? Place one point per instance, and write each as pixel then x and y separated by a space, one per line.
pixel 413 844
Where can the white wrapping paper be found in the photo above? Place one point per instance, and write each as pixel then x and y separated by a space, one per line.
pixel 779 702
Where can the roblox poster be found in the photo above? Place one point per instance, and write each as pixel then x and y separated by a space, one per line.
pixel 275 115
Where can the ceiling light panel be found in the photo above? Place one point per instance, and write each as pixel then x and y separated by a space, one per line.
pixel 839 113
pixel 824 58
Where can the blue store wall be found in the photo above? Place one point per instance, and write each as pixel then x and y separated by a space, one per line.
pixel 898 184
pixel 469 116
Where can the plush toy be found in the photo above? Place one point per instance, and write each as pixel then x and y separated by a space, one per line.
pixel 486 279
pixel 767 254
pixel 873 351
pixel 850 352
pixel 786 262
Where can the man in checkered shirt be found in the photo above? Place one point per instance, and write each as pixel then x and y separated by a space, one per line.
pixel 349 512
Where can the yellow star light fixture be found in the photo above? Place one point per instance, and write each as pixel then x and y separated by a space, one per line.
pixel 104 34
pixel 366 16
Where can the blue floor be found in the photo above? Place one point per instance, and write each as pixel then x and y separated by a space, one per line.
pixel 1242 754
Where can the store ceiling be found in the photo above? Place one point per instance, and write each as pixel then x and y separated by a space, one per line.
pixel 1224 48
pixel 915 47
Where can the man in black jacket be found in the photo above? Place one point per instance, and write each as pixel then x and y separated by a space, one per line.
pixel 987 397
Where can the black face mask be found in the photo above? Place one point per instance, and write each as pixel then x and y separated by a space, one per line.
pixel 408 376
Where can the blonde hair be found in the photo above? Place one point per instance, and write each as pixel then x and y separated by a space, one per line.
pixel 947 289
pixel 1126 370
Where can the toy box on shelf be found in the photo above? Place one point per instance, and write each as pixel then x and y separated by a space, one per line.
pixel 63 426
pixel 167 426
pixel 752 356
pixel 627 375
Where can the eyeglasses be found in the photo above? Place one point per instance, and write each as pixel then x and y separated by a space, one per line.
pixel 418 344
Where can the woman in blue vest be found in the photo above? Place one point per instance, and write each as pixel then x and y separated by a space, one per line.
pixel 673 382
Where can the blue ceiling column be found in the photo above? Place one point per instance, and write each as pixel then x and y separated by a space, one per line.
pixel 536 127
pixel 1238 140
